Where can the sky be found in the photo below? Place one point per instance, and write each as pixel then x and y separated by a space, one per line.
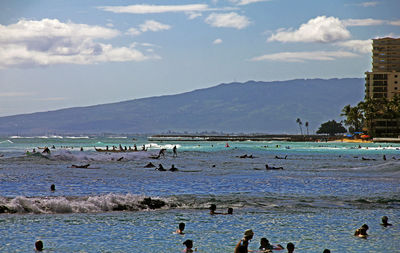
pixel 58 54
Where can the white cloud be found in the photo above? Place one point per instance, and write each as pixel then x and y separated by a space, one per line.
pixel 217 41
pixel 228 20
pixel 45 42
pixel 133 31
pixel 193 15
pixel 320 29
pixel 246 2
pixel 362 46
pixel 149 25
pixel 304 56
pixel 145 8
pixel 154 26
pixel 363 22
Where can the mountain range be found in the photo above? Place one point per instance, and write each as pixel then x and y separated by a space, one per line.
pixel 250 107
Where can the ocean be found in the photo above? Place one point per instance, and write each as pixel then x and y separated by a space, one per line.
pixel 324 193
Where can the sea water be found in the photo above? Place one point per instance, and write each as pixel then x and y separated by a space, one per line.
pixel 323 194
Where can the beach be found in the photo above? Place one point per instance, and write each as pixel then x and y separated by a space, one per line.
pixel 324 193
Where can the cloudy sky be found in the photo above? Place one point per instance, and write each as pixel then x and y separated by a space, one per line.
pixel 57 54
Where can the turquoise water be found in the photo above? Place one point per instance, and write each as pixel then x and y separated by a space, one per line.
pixel 324 193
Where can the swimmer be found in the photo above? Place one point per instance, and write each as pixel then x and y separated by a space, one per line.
pixel 173 168
pixel 272 168
pixel 212 208
pixel 230 211
pixel 189 246
pixel 243 244
pixel 52 187
pixel 385 221
pixel 265 246
pixel 290 247
pixel 363 233
pixel 180 229
pixel 326 251
pixel 39 245
pixel 149 165
pixel 161 168
pixel 174 150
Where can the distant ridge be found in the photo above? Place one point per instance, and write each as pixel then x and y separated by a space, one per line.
pixel 253 106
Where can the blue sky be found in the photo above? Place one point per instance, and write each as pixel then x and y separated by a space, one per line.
pixel 57 54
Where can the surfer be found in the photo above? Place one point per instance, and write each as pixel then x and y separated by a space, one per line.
pixel 52 187
pixel 230 211
pixel 174 151
pixel 180 229
pixel 272 168
pixel 173 168
pixel 242 246
pixel 326 251
pixel 161 153
pixel 160 168
pixel 149 165
pixel 143 148
pixel 46 150
pixel 278 157
pixel 80 166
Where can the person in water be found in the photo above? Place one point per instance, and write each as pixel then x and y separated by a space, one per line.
pixel 173 168
pixel 52 187
pixel 272 168
pixel 149 165
pixel 230 210
pixel 39 245
pixel 174 151
pixel 290 247
pixel 161 168
pixel 326 251
pixel 266 246
pixel 180 229
pixel 212 208
pixel 385 221
pixel 243 244
pixel 189 246
pixel 358 231
pixel 46 150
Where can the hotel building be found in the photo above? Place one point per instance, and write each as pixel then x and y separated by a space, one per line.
pixel 384 81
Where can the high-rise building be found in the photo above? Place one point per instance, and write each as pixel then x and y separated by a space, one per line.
pixel 384 82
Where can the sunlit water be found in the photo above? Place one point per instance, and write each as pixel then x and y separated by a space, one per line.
pixel 324 193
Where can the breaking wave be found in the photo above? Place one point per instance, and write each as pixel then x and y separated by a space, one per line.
pixel 131 202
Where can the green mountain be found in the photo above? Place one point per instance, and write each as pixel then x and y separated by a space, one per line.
pixel 263 107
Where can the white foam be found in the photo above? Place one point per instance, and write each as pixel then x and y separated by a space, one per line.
pixel 6 141
pixel 85 204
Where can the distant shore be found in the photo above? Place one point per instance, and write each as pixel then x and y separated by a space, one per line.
pixel 272 137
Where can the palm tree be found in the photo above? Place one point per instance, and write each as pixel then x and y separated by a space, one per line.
pixel 298 121
pixel 306 124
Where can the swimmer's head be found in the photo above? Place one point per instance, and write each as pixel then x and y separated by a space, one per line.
pixel 248 234
pixel 326 251
pixel 213 207
pixel 39 245
pixel 365 226
pixel 290 247
pixel 188 244
pixel 52 187
pixel 264 242
pixel 181 226
pixel 385 219
pixel 230 210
